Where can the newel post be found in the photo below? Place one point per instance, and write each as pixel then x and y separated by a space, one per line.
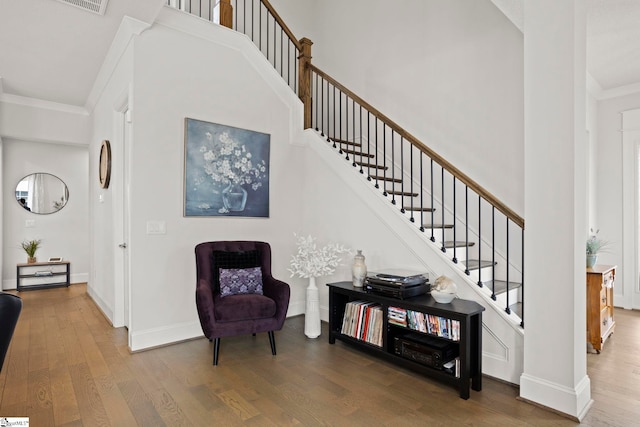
pixel 304 76
pixel 226 14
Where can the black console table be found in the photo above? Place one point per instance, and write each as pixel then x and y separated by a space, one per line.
pixel 456 326
pixel 41 275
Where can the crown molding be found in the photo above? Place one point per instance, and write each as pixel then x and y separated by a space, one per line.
pixel 620 91
pixel 7 98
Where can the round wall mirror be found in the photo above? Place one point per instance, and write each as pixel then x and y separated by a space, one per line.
pixel 42 193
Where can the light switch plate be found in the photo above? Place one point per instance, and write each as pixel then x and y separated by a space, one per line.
pixel 156 227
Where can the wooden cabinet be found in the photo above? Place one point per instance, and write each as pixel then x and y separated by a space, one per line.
pixel 40 275
pixel 466 339
pixel 600 320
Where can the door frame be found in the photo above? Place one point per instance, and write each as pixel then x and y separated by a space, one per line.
pixel 121 212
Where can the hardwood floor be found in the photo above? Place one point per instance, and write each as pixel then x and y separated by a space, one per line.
pixel 68 367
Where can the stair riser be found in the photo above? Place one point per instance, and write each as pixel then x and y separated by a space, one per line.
pixel 514 296
pixel 437 234
pixel 460 253
pixel 485 274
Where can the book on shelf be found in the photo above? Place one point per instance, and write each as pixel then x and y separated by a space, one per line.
pixel 363 320
pixel 429 323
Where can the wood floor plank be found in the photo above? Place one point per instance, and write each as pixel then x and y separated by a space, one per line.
pixel 241 407
pixel 65 405
pixel 67 366
pixel 114 402
pixel 39 391
pixel 89 400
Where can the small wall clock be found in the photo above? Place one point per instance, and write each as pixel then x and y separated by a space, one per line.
pixel 105 164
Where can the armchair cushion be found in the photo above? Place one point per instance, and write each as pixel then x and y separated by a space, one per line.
pixel 236 281
pixel 232 259
pixel 243 307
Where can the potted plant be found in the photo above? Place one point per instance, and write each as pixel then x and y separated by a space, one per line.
pixel 595 245
pixel 30 247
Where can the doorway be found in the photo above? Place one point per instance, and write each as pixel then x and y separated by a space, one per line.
pixel 629 293
pixel 120 165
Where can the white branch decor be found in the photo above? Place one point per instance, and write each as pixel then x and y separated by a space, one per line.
pixel 311 261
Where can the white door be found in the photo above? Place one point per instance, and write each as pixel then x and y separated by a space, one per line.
pixel 121 219
pixel 125 215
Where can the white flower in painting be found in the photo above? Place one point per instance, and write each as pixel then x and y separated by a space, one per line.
pixel 226 161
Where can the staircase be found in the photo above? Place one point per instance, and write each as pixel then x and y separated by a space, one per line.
pixel 480 235
pixel 443 230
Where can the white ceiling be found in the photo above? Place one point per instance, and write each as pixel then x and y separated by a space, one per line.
pixel 613 42
pixel 52 51
pixel 613 39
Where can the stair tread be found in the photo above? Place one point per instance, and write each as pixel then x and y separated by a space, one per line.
pixel 501 285
pixel 344 142
pixel 437 226
pixel 475 264
pixel 419 208
pixel 357 153
pixel 385 178
pixel 370 165
pixel 458 244
pixel 402 193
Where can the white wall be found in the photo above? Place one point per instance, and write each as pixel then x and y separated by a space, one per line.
pixel 609 172
pixel 34 132
pixel 64 233
pixel 451 73
pixel 177 75
pixel 104 241
pixel 36 120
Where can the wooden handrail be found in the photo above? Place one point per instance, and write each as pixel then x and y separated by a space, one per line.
pixel 280 22
pixel 481 191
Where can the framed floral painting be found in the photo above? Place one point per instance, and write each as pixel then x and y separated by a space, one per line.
pixel 226 170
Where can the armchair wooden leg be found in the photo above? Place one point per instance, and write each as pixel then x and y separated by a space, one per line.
pixel 272 341
pixel 216 350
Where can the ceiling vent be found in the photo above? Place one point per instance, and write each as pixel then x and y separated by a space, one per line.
pixel 95 6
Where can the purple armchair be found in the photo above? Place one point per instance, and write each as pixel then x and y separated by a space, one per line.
pixel 223 316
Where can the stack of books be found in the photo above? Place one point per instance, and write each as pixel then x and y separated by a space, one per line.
pixel 363 320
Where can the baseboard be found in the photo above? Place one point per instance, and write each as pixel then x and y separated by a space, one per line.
pixel 571 402
pixel 106 310
pixel 295 309
pixel 171 334
pixel 79 277
pixel 299 308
